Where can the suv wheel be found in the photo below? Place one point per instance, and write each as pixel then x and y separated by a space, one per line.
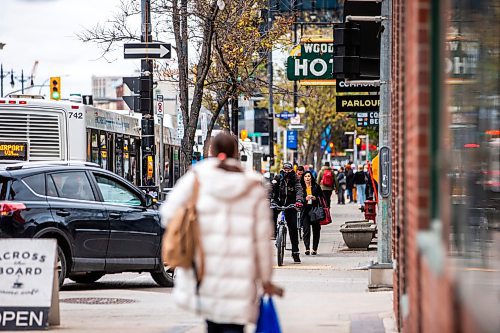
pixel 61 265
pixel 89 277
pixel 165 277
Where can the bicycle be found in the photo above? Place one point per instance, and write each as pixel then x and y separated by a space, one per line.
pixel 282 231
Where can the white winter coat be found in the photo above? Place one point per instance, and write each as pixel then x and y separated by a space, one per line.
pixel 235 225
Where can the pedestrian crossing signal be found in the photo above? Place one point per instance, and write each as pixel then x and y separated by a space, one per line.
pixel 55 88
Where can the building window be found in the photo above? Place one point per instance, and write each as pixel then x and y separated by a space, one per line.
pixel 471 149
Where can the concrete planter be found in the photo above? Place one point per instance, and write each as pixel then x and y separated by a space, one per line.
pixel 357 224
pixel 357 236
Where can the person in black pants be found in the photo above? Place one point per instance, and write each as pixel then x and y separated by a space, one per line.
pixel 286 190
pixel 342 181
pixel 313 197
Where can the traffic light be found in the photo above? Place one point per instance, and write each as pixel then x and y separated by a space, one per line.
pixel 345 142
pixel 357 42
pixel 243 134
pixel 358 143
pixel 55 88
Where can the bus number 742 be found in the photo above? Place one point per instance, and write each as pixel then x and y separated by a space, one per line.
pixel 76 115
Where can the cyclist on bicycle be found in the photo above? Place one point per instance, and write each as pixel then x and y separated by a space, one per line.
pixel 286 190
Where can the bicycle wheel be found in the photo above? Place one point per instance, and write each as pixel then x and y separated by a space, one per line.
pixel 281 250
pixel 280 243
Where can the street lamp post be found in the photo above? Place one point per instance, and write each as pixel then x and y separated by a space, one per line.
pixel 271 97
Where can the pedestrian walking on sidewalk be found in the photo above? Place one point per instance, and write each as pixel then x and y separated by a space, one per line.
pixel 360 181
pixel 233 215
pixel 288 191
pixel 313 197
pixel 326 179
pixel 342 181
pixel 349 174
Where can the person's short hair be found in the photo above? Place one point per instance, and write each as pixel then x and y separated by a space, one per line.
pixel 300 168
pixel 327 164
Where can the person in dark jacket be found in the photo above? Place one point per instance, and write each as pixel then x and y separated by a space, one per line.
pixel 360 181
pixel 341 178
pixel 286 190
pixel 312 198
pixel 349 175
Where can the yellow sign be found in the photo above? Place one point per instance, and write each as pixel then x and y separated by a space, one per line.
pixel 375 168
pixel 150 166
pixel 104 154
pixel 13 151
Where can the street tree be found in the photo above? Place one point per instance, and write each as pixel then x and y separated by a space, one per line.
pixel 241 44
pixel 191 23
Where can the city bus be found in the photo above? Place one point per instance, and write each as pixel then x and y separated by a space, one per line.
pixel 34 129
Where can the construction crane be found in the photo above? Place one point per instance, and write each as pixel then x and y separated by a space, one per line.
pixel 33 73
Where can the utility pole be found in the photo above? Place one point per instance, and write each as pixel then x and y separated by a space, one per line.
pixel 1 80
pixel 146 101
pixel 384 217
pixel 271 97
pixel 355 148
pixel 367 148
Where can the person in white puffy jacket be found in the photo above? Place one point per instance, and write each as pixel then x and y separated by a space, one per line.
pixel 233 213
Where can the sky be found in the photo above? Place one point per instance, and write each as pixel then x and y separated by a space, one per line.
pixel 45 30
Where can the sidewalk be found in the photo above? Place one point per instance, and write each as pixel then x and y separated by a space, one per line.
pixel 328 292
pixel 324 294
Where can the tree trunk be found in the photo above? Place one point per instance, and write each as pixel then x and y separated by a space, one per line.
pixel 211 124
pixel 190 117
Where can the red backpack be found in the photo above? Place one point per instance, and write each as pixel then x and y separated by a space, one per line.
pixel 327 179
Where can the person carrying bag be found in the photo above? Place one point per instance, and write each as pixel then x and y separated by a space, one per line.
pixel 232 215
pixel 313 212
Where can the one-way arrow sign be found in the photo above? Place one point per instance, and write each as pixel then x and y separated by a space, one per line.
pixel 147 50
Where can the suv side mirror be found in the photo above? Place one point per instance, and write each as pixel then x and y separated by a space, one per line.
pixel 149 200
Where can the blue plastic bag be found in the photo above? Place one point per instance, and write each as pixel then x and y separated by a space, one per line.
pixel 268 317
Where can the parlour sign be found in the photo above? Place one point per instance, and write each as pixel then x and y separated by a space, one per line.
pixel 27 283
pixel 13 151
pixel 357 103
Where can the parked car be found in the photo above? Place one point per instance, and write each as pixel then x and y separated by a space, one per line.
pixel 102 223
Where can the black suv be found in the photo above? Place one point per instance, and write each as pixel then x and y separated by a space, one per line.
pixel 103 223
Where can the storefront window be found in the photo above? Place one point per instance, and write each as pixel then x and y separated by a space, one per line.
pixel 472 67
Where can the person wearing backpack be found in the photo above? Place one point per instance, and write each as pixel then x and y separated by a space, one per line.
pixel 326 179
pixel 232 216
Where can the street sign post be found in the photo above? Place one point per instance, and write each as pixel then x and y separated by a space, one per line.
pixel 159 106
pixel 147 50
pixel 297 127
pixel 291 139
pixel 285 115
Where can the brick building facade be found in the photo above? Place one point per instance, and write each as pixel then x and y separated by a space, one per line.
pixel 430 288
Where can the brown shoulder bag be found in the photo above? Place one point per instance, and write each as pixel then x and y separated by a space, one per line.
pixel 181 243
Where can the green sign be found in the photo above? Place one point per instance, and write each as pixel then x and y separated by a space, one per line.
pixel 315 62
pixel 254 135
